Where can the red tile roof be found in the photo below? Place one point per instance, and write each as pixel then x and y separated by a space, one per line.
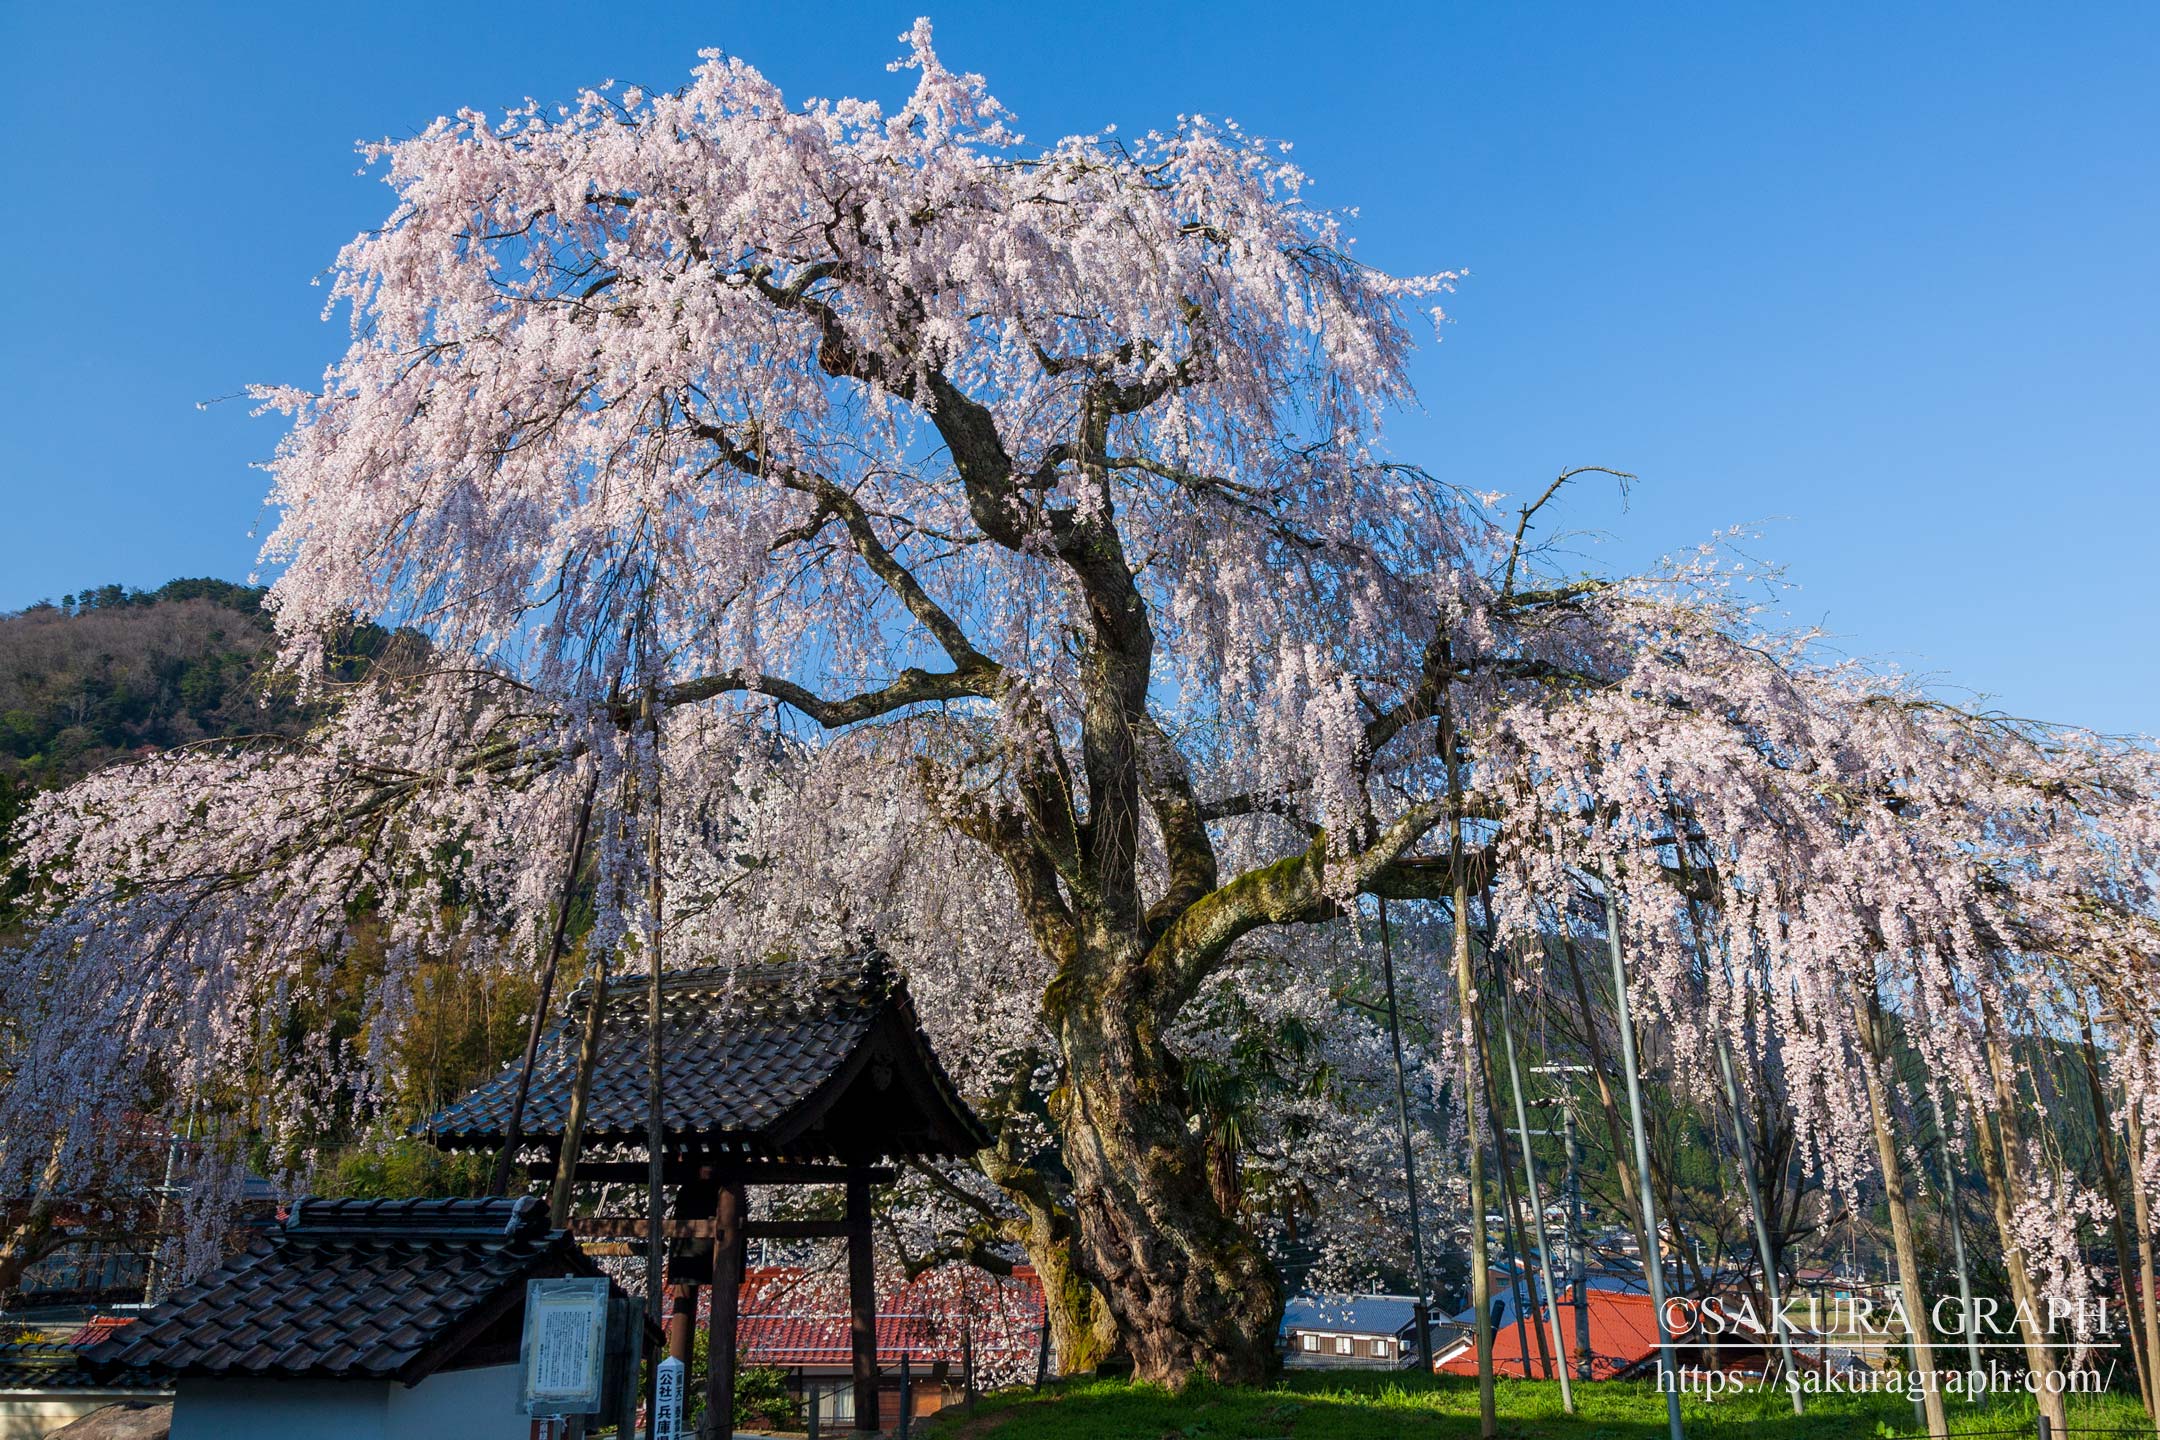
pixel 98 1327
pixel 790 1318
pixel 1623 1334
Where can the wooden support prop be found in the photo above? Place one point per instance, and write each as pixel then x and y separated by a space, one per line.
pixel 720 1333
pixel 862 1300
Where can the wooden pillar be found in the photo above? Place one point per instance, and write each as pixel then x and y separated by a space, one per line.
pixel 682 1320
pixel 862 1300
pixel 726 1300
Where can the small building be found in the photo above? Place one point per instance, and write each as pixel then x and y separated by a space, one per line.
pixel 1350 1332
pixel 355 1320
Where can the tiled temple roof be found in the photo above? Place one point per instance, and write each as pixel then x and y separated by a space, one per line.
pixel 352 1289
pixel 817 1061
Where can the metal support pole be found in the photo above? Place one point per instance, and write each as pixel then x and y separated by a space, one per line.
pixel 1423 1309
pixel 1654 1262
pixel 1745 1154
pixel 1537 1201
pixel 655 992
pixel 1957 1228
pixel 1957 1255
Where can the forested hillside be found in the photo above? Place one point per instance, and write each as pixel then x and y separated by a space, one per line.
pixel 112 671
pixel 101 676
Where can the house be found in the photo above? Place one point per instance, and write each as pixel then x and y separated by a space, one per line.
pixel 1623 1340
pixel 1355 1332
pixel 355 1319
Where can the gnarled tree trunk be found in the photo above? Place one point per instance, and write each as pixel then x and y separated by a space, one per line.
pixel 1194 1292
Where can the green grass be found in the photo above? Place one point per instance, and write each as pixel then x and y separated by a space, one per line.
pixel 1399 1407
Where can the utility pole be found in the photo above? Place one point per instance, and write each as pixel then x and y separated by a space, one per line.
pixel 154 1272
pixel 1578 1240
pixel 1957 1225
pixel 1772 1295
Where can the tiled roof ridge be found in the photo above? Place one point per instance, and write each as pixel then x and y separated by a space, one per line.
pixel 759 1052
pixel 382 1289
pixel 783 986
pixel 522 1217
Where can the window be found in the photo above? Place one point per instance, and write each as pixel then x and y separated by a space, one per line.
pixel 1342 1344
pixel 1380 1347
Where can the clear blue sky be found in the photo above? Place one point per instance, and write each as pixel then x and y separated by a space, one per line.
pixel 1879 275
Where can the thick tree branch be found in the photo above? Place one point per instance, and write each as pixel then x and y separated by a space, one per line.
pixel 909 687
pixel 1305 888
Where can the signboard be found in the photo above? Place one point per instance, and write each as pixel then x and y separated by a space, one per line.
pixel 667 1400
pixel 563 1357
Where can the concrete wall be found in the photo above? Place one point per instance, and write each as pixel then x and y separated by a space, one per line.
pixel 478 1404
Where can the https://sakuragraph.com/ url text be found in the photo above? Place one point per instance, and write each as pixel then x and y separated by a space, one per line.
pixel 1985 1346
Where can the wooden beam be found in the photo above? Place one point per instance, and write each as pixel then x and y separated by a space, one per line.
pixel 720 1333
pixel 862 1302
pixel 796 1229
pixel 681 1172
pixel 627 1227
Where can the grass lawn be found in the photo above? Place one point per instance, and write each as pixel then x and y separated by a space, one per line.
pixel 1384 1407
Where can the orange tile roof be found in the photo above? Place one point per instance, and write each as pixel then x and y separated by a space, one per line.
pixel 1623 1334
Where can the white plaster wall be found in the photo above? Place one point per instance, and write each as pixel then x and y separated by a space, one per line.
pixel 280 1409
pixel 479 1404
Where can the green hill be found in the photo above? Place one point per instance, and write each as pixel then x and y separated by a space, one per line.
pixel 114 671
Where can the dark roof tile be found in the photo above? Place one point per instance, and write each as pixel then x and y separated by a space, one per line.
pixel 349 1288
pixel 822 1060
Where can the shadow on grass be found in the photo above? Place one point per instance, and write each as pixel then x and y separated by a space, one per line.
pixel 1402 1406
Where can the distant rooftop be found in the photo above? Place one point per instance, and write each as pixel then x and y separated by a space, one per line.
pixel 1350 1314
